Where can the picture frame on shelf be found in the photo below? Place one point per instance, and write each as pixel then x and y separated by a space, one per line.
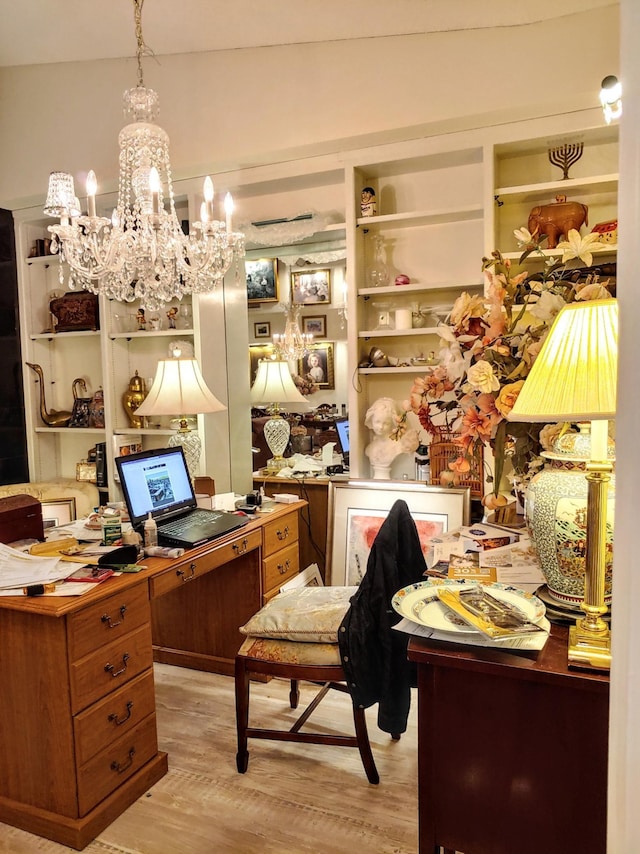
pixel 58 511
pixel 256 353
pixel 315 325
pixel 357 509
pixel 310 287
pixel 262 280
pixel 262 329
pixel 318 364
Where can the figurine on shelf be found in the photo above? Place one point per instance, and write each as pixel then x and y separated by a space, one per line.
pixel 171 317
pixel 142 320
pixel 383 419
pixel 368 202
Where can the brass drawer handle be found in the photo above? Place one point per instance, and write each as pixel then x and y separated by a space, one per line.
pixel 106 618
pixel 282 535
pixel 283 568
pixel 113 718
pixel 240 548
pixel 109 668
pixel 116 766
pixel 181 574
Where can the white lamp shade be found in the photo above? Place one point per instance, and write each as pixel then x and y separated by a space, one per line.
pixel 575 374
pixel 179 389
pixel 274 384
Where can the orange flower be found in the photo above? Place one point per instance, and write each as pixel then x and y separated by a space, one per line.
pixel 505 401
pixel 460 465
pixel 475 425
pixel 492 502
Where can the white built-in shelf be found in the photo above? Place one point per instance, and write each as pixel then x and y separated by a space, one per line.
pixel 399 290
pixel 413 218
pixel 612 249
pixel 52 336
pixel 531 192
pixel 43 260
pixel 404 369
pixel 397 333
pixel 159 333
pixel 94 431
pixel 145 431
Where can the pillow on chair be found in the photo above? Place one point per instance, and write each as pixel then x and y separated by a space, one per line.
pixel 308 614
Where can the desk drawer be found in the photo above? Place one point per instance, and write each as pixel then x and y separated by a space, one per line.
pixel 280 533
pixel 107 620
pixel 119 713
pixel 112 766
pixel 189 569
pixel 280 567
pixel 95 675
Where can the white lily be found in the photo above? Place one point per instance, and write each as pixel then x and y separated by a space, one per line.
pixel 524 237
pixel 576 246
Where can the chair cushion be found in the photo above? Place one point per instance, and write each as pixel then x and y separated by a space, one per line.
pixel 291 652
pixel 309 614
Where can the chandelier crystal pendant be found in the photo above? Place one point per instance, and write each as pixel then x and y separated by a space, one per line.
pixel 141 252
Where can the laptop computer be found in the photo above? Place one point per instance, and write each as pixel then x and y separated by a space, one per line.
pixel 158 482
pixel 342 429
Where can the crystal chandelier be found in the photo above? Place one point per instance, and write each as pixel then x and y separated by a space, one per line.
pixel 293 344
pixel 141 252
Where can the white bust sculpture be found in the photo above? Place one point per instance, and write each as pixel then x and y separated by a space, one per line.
pixel 382 419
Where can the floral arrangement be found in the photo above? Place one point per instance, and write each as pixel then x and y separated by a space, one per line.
pixel 487 351
pixel 305 385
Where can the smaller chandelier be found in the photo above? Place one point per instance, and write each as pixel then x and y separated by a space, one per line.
pixel 293 344
pixel 141 252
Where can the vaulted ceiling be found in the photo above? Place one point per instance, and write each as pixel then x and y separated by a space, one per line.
pixel 46 31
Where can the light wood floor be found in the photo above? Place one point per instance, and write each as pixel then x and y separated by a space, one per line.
pixel 294 798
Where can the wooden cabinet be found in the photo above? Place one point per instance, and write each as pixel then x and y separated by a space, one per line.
pixel 78 741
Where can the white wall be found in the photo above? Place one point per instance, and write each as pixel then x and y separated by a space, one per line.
pixel 232 108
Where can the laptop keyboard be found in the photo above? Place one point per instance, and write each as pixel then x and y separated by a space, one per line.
pixel 181 525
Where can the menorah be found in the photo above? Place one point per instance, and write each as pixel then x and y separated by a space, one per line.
pixel 565 156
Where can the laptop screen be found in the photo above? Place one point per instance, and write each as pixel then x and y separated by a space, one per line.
pixel 155 482
pixel 342 428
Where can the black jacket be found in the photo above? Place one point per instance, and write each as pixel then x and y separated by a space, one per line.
pixel 374 656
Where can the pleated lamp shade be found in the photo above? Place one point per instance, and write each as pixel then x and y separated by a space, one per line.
pixel 179 389
pixel 274 384
pixel 574 376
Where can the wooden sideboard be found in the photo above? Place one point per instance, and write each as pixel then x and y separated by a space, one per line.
pixel 78 741
pixel 512 750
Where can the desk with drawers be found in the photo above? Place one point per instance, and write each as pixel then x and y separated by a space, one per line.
pixel 78 739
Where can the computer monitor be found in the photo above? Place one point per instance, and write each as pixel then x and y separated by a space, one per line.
pixel 342 429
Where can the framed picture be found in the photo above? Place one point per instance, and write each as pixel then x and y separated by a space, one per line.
pixel 316 325
pixel 311 287
pixel 309 577
pixel 262 330
pixel 357 509
pixel 58 512
pixel 257 352
pixel 317 364
pixel 262 280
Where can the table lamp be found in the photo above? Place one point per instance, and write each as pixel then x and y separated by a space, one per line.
pixel 574 379
pixel 272 387
pixel 179 389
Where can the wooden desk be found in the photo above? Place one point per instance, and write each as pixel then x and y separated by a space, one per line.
pixel 78 741
pixel 512 751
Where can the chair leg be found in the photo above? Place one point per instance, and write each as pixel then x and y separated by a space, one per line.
pixel 294 694
pixel 364 746
pixel 242 713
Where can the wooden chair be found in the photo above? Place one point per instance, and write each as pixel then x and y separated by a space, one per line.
pixel 315 659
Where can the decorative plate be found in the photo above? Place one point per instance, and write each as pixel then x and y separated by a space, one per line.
pixel 420 604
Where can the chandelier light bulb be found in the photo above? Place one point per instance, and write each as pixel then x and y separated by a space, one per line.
pixel 92 186
pixel 611 98
pixel 204 212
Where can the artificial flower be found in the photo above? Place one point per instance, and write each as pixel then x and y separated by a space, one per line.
pixel 576 246
pixel 487 351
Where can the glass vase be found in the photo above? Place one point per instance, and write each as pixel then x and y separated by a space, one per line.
pixel 377 272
